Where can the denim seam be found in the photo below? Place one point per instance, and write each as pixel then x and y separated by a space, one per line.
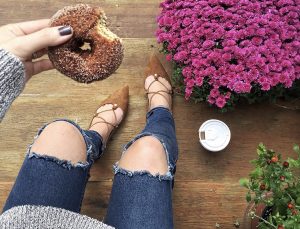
pixel 167 176
pixel 65 163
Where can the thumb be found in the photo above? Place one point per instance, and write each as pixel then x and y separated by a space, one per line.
pixel 25 46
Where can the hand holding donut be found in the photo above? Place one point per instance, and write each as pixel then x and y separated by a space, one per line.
pixel 30 40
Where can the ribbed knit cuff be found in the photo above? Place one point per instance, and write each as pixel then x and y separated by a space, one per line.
pixel 12 80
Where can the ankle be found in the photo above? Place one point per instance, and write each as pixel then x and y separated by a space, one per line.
pixel 159 92
pixel 106 119
pixel 102 130
pixel 157 104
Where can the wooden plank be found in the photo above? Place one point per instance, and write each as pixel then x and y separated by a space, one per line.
pixel 127 18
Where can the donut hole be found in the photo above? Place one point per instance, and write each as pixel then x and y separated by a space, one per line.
pixel 81 45
pixel 86 46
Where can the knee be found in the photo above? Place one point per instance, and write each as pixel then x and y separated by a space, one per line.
pixel 62 140
pixel 146 153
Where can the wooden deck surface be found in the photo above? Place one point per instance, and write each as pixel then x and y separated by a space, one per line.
pixel 206 189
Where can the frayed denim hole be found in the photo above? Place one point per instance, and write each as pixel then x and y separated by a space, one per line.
pixel 167 176
pixel 88 145
pixel 40 130
pixel 126 147
pixel 64 163
pixel 85 137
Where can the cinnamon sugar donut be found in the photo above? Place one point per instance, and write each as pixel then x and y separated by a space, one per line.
pixel 94 52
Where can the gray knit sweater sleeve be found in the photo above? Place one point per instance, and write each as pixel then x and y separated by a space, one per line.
pixel 12 80
pixel 30 217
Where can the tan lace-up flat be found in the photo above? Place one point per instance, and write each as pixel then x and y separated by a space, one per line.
pixel 156 69
pixel 119 99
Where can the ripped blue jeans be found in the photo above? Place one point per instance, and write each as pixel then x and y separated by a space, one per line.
pixel 138 199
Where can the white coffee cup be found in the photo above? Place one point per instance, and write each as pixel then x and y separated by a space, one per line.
pixel 214 135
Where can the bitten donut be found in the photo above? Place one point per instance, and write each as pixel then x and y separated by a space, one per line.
pixel 94 52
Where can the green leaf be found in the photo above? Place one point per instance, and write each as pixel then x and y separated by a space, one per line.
pixel 256 173
pixel 296 149
pixel 254 162
pixel 261 146
pixel 293 163
pixel 261 149
pixel 298 201
pixel 244 182
pixel 248 197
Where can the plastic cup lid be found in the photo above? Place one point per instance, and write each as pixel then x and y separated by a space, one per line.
pixel 214 135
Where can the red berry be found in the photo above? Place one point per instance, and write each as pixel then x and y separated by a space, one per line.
pixel 294 212
pixel 282 178
pixel 285 164
pixel 290 206
pixel 280 227
pixel 274 159
pixel 262 187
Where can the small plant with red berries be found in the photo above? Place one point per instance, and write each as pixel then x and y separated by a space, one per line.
pixel 274 184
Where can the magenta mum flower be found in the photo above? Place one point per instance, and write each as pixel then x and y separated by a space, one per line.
pixel 169 57
pixel 220 102
pixel 214 93
pixel 231 47
pixel 180 56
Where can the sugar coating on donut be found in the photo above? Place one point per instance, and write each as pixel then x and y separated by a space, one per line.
pixel 94 52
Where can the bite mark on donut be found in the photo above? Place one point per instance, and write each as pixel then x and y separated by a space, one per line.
pixel 104 31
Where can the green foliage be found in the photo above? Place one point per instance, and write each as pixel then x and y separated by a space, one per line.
pixel 275 182
pixel 297 149
pixel 244 182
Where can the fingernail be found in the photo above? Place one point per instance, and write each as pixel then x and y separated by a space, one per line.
pixel 65 30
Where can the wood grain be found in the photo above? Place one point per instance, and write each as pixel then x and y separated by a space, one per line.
pixel 206 189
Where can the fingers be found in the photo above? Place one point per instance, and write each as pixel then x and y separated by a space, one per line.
pixel 33 68
pixel 11 31
pixel 24 46
pixel 46 37
pixel 39 53
pixel 41 65
pixel 28 27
